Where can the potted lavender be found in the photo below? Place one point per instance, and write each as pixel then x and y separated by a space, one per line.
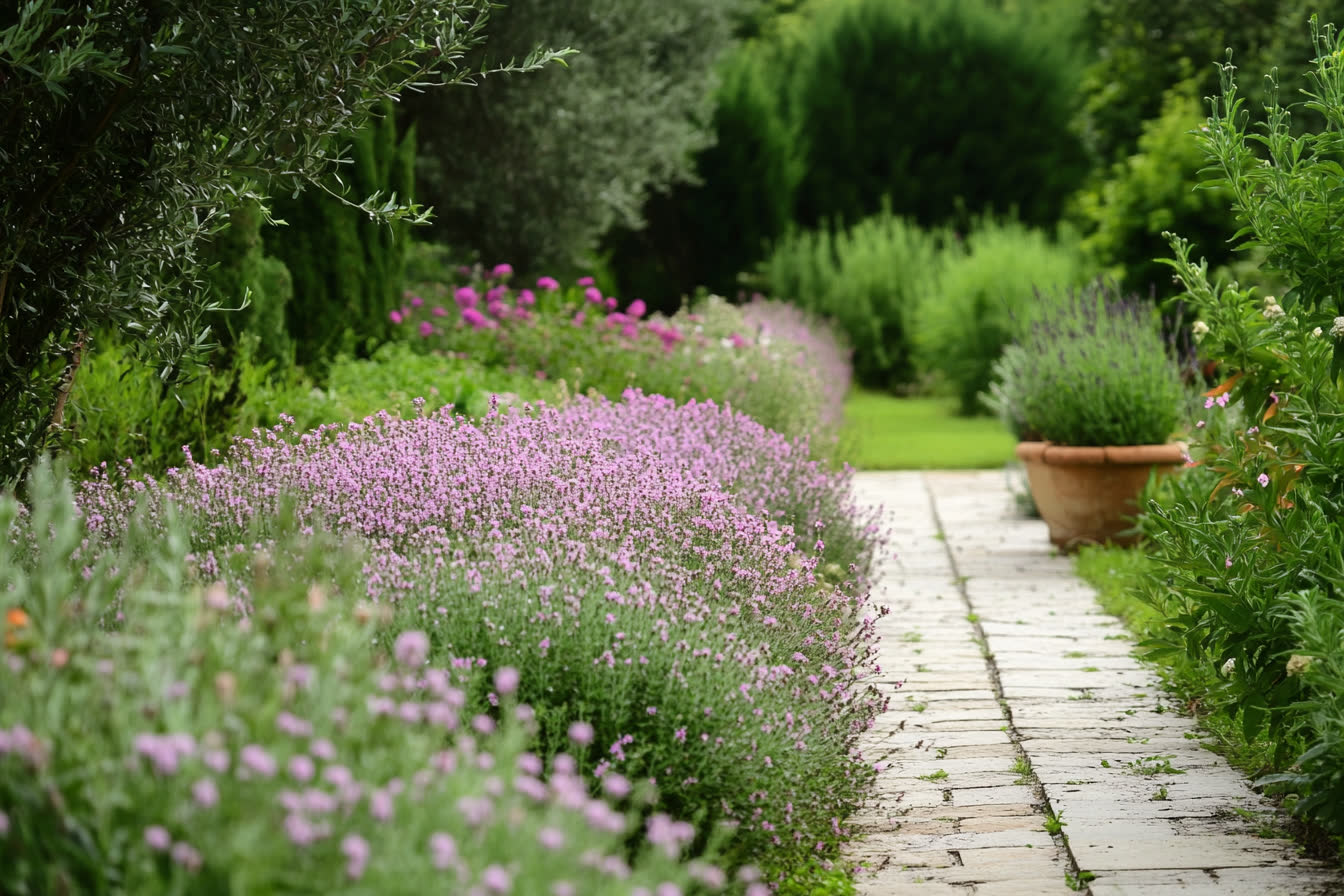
pixel 1095 381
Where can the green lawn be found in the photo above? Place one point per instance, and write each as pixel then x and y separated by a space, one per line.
pixel 883 432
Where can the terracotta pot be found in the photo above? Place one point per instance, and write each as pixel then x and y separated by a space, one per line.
pixel 1089 495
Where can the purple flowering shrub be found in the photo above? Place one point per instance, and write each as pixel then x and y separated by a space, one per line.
pixel 756 359
pixel 257 729
pixel 686 583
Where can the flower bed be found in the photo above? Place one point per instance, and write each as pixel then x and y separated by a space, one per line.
pixel 684 584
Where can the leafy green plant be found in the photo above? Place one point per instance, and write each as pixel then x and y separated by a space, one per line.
pixel 1096 370
pixel 868 278
pixel 1251 547
pixel 984 290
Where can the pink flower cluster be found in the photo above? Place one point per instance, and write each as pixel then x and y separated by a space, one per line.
pixel 692 577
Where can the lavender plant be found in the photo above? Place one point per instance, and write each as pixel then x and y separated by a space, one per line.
pixel 255 728
pixel 1095 370
pixel 687 583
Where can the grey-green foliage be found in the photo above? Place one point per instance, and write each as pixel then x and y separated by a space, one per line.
pixel 987 286
pixel 869 279
pixel 126 126
pixel 534 170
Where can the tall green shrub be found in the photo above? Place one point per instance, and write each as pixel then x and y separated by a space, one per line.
pixel 935 103
pixel 346 266
pixel 867 278
pixel 129 125
pixel 1156 189
pixel 533 171
pixel 987 288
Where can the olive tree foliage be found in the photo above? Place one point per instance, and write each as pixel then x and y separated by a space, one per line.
pixel 533 171
pixel 128 128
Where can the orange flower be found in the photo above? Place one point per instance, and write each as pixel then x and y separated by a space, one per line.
pixel 15 619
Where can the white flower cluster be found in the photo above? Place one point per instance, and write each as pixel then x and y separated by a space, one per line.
pixel 1199 330
pixel 1337 328
pixel 1273 310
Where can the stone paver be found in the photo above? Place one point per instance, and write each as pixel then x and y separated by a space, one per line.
pixel 1016 699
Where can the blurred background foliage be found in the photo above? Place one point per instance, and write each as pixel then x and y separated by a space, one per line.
pixel 913 170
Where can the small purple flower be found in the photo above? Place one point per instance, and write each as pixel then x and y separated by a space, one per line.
pixel 466 297
pixel 526 298
pixel 185 854
pixel 496 879
pixel 502 270
pixel 586 281
pixel 394 316
pixel 1263 479
pixel 1227 563
pixel 411 649
pixel 302 768
pixel 506 680
pixel 581 733
pixel 473 318
pixel 551 838
pixel 255 759
pixel 637 308
pixel 593 294
pixel 444 850
pixel 550 284
pixel 356 851
pixel 426 329
pixel 158 838
pixel 205 793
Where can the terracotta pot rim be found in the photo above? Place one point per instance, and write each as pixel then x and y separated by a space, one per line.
pixel 1053 453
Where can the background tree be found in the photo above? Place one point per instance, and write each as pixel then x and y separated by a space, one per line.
pixel 533 171
pixel 128 126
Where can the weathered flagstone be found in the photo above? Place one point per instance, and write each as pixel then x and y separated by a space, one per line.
pixel 1019 701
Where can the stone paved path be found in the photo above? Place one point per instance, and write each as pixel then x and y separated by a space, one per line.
pixel 1021 703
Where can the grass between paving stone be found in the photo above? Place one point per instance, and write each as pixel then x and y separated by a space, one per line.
pixel 1119 575
pixel 883 432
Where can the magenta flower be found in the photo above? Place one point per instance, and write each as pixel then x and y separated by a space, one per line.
pixel 549 284
pixel 473 318
pixel 416 301
pixel 466 297
pixel 527 298
pixel 1263 479
pixel 593 294
pixel 439 311
pixel 426 329
pixel 394 316
pixel 637 308
pixel 586 281
pixel 502 270
pixel 185 854
pixel 444 850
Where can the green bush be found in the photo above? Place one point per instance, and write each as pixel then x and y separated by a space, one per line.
pixel 933 104
pixel 1155 190
pixel 347 267
pixel 868 279
pixel 985 292
pixel 535 170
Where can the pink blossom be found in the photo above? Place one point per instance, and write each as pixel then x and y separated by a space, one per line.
pixel 356 851
pixel 426 329
pixel 1263 479
pixel 586 281
pixel 158 838
pixel 466 297
pixel 506 680
pixel 411 649
pixel 550 284
pixel 501 270
pixel 637 308
pixel 581 733
pixel 593 294
pixel 394 316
